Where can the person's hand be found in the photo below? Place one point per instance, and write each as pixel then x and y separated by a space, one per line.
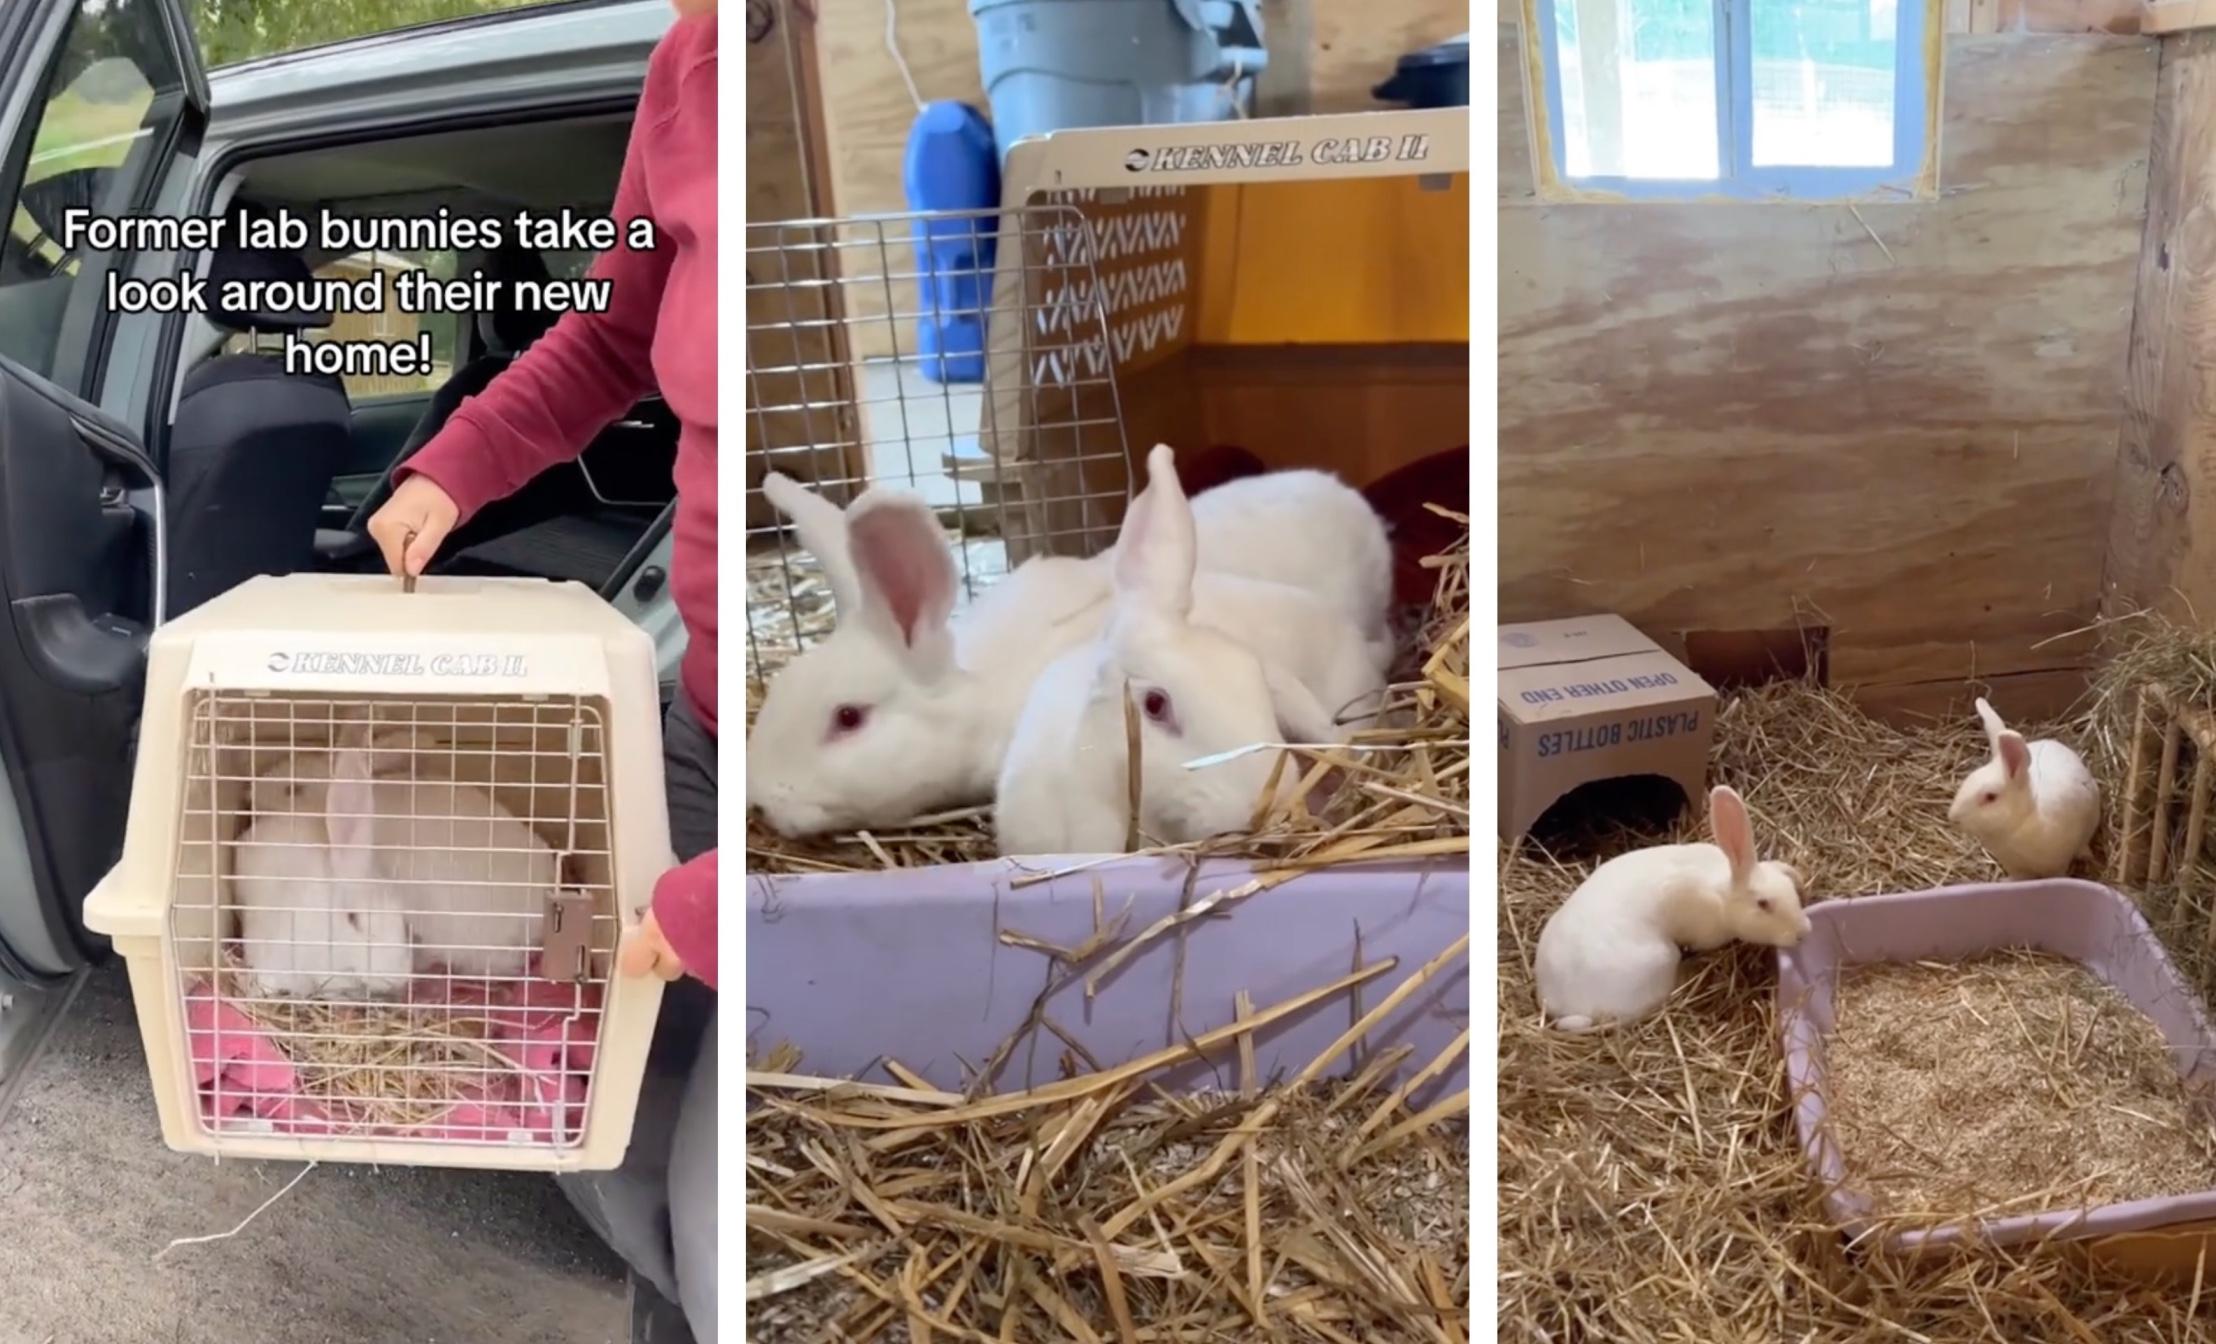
pixel 418 507
pixel 648 951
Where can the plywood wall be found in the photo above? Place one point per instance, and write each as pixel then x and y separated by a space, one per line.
pixel 2162 546
pixel 1899 422
pixel 1353 261
pixel 788 326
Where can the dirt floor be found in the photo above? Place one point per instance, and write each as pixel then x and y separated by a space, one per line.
pixel 353 1255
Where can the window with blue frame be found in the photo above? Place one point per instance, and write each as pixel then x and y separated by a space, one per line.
pixel 1799 99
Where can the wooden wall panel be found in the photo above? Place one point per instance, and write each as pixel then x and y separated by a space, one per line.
pixel 1898 420
pixel 787 326
pixel 1359 410
pixel 2162 547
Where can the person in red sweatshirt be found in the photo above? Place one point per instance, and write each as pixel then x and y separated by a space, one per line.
pixel 658 333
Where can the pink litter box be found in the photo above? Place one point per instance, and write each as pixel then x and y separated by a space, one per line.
pixel 2092 925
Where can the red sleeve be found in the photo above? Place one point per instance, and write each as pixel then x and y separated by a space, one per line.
pixel 578 377
pixel 685 907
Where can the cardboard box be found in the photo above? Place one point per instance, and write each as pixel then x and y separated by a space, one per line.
pixel 1591 698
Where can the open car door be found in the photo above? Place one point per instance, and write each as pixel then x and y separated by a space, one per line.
pixel 99 99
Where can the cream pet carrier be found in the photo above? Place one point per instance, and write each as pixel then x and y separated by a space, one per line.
pixel 383 847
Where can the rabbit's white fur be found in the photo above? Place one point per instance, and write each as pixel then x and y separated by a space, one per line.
pixel 907 709
pixel 306 927
pixel 1610 952
pixel 1305 528
pixel 1208 668
pixel 2034 806
pixel 470 877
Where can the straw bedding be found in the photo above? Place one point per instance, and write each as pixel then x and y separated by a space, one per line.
pixel 1311 1209
pixel 380 1068
pixel 2007 1084
pixel 1651 1184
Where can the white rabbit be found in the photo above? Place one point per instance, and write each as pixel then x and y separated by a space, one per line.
pixel 1305 528
pixel 1246 662
pixel 296 780
pixel 470 878
pixel 2034 806
pixel 291 783
pixel 307 929
pixel 907 708
pixel 1610 952
pixel 903 710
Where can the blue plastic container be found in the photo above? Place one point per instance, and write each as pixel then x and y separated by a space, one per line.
pixel 951 166
pixel 1051 65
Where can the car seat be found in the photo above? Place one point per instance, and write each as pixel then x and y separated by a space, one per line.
pixel 504 330
pixel 253 450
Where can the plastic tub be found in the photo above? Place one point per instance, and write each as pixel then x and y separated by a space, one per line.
pixel 1050 65
pixel 2088 923
pixel 852 968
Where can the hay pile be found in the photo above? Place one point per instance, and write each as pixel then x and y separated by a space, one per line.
pixel 1403 793
pixel 1308 1209
pixel 382 1068
pixel 2005 1085
pixel 1651 1184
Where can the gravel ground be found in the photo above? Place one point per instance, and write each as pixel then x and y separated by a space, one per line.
pixel 353 1255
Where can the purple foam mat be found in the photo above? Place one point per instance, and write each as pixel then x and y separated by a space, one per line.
pixel 851 968
pixel 2088 923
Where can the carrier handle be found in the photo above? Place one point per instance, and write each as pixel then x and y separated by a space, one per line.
pixel 407 580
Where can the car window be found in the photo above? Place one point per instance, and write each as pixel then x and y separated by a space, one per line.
pixel 569 265
pixel 230 31
pixel 114 89
pixel 389 324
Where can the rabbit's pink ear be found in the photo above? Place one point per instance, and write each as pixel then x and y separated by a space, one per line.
pixel 906 576
pixel 1734 834
pixel 349 818
pixel 1156 550
pixel 822 530
pixel 2014 754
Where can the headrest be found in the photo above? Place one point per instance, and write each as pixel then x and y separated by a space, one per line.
pixel 507 327
pixel 258 263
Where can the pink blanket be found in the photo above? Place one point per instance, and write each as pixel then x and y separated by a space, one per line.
pixel 528 1086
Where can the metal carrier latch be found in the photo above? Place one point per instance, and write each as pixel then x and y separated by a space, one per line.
pixel 565 937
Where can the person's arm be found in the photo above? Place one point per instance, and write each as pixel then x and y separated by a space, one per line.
pixel 561 392
pixel 678 935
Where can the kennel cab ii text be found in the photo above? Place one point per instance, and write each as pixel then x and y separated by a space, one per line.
pixel 1279 154
pixel 330 664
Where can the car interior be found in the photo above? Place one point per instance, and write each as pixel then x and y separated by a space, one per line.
pixel 275 472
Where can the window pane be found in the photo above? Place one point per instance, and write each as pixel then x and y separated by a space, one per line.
pixel 241 30
pixel 1638 87
pixel 394 323
pixel 113 86
pixel 1823 82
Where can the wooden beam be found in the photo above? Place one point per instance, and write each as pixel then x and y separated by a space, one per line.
pixel 2178 16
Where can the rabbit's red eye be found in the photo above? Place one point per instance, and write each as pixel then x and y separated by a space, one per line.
pixel 1992 797
pixel 847 718
pixel 1762 903
pixel 1157 704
